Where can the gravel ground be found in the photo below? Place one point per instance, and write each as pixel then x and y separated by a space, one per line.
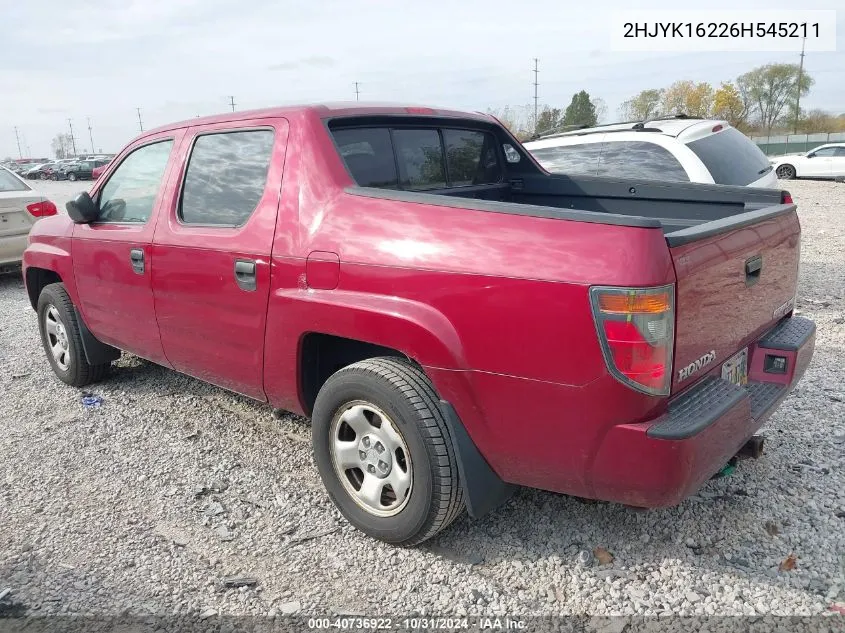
pixel 146 503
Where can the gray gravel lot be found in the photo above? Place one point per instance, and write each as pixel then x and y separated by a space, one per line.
pixel 146 503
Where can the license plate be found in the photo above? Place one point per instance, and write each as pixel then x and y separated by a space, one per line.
pixel 735 369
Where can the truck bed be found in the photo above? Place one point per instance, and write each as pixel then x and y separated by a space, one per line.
pixel 681 209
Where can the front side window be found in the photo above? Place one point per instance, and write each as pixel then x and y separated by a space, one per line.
pixel 825 151
pixel 226 176
pixel 640 159
pixel 132 188
pixel 570 159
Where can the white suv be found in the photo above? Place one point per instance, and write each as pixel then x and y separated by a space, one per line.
pixel 677 149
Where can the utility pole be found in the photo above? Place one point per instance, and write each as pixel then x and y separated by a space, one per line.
pixel 140 122
pixel 18 139
pixel 798 89
pixel 72 140
pixel 90 135
pixel 536 84
pixel 356 91
pixel 232 102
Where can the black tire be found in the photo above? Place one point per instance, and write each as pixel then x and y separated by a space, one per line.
pixel 406 395
pixel 785 172
pixel 78 372
pixel 72 177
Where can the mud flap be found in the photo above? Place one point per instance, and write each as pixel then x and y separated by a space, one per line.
pixel 484 490
pixel 96 352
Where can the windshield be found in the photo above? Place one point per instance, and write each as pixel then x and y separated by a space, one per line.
pixel 731 157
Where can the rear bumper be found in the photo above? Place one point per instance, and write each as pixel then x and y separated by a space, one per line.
pixel 664 460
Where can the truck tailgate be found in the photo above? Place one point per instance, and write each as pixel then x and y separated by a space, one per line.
pixel 736 277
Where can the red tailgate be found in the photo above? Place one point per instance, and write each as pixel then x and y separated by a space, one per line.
pixel 732 286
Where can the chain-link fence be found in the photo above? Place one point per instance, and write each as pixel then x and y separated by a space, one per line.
pixel 795 143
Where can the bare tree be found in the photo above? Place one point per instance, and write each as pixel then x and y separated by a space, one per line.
pixel 61 145
pixel 772 90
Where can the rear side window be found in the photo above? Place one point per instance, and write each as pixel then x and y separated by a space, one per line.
pixel 132 188
pixel 731 157
pixel 570 159
pixel 640 159
pixel 225 178
pixel 8 182
pixel 418 159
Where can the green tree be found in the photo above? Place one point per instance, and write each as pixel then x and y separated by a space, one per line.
pixel 772 90
pixel 642 106
pixel 549 120
pixel 581 111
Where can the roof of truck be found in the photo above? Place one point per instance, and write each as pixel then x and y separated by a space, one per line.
pixel 325 111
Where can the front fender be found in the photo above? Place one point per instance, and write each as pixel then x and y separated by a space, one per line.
pixel 50 253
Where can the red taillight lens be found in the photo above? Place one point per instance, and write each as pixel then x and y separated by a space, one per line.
pixel 636 332
pixel 42 209
pixel 786 198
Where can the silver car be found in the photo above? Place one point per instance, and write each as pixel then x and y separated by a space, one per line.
pixel 20 207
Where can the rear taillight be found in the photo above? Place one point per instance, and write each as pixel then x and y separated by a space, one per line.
pixel 42 209
pixel 636 331
pixel 786 198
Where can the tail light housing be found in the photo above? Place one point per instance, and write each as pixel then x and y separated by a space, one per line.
pixel 786 198
pixel 42 209
pixel 636 330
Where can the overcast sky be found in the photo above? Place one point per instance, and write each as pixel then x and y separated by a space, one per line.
pixel 176 59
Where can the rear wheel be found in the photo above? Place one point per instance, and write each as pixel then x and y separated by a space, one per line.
pixel 785 172
pixel 62 340
pixel 384 452
pixel 71 176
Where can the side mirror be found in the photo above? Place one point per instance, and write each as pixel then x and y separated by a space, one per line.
pixel 82 209
pixel 811 155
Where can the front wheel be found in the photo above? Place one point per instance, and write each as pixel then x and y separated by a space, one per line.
pixel 384 451
pixel 785 172
pixel 62 340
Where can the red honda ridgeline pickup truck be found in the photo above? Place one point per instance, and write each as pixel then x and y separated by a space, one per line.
pixel 454 319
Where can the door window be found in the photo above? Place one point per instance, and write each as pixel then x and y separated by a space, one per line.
pixel 132 189
pixel 226 176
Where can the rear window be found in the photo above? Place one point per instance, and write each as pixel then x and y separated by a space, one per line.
pixel 570 159
pixel 8 182
pixel 731 157
pixel 418 159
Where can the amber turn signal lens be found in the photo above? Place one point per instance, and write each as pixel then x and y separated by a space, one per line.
pixel 635 303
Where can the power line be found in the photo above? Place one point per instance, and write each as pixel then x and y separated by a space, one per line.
pixel 356 91
pixel 18 139
pixel 536 85
pixel 232 102
pixel 140 122
pixel 798 88
pixel 72 139
pixel 91 135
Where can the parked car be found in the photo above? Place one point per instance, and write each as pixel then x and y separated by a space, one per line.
pixel 20 207
pixel 678 149
pixel 79 170
pixel 95 173
pixel 41 172
pixel 825 161
pixel 454 319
